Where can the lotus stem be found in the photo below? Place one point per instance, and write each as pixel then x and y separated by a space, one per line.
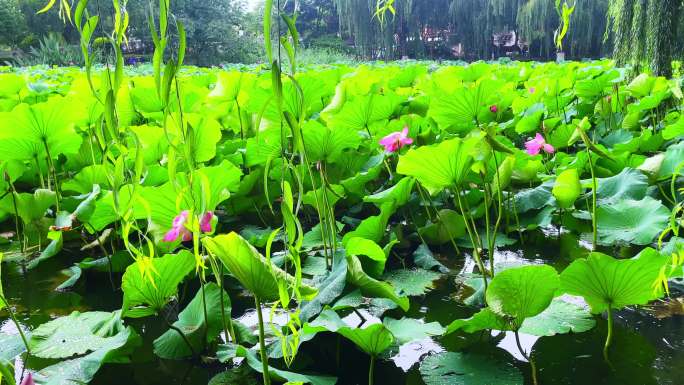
pixel 16 323
pixel 609 336
pixel 476 253
pixel 371 370
pixel 529 359
pixel 262 343
pixel 594 186
pixel 183 336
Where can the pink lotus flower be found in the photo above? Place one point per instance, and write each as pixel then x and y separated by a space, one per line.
pixel 205 222
pixel 536 145
pixel 178 228
pixel 494 109
pixel 28 380
pixel 396 140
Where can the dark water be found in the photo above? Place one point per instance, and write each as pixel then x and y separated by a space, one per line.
pixel 646 350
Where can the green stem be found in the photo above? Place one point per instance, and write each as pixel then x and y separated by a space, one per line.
pixel 371 370
pixel 476 253
pixel 183 336
pixel 16 323
pixel 594 183
pixel 262 343
pixel 609 337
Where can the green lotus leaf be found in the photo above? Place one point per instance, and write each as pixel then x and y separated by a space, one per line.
pixel 440 166
pixel 325 144
pixel 371 287
pixel 399 194
pixel 559 318
pixel 198 331
pixel 251 268
pixel 373 339
pixel 82 370
pixel 28 131
pixel 407 330
pixel 567 188
pixel 456 368
pixel 75 334
pixel 522 292
pixel 450 225
pixel 628 184
pixel 606 282
pixel 227 352
pixel 148 288
pixel 630 221
pixel 466 106
pixel 374 257
pixel 412 282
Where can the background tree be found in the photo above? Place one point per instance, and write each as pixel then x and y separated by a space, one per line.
pixel 645 33
pixel 13 26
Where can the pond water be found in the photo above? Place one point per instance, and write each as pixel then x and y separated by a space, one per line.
pixel 646 349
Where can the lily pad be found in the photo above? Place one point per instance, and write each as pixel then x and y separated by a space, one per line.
pixel 75 334
pixel 456 368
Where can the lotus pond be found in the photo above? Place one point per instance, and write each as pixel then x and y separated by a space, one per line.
pixel 492 223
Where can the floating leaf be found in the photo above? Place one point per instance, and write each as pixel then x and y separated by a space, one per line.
pixel 408 330
pixel 75 334
pixel 412 282
pixel 455 368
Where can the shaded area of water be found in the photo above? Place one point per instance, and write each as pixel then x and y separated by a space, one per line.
pixel 646 350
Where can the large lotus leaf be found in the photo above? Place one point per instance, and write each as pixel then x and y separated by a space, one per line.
pixel 375 258
pixel 11 84
pixel 399 194
pixel 361 112
pixel 412 282
pixel 371 287
pixel 251 268
pixel 202 135
pixel 628 184
pixel 194 326
pixel 373 340
pixel 11 346
pixel 28 129
pixel 328 290
pixel 407 330
pixel 83 369
pixel 439 166
pixel 75 334
pixel 232 86
pixel 230 351
pixel 30 207
pixel 374 227
pixel 450 225
pixel 630 221
pixel 424 258
pixel 606 282
pixel 326 144
pixel 456 368
pixel 672 164
pixel 464 108
pixel 559 318
pixel 567 188
pixel 83 182
pixel 153 142
pixel 263 148
pixel 522 292
pixel 149 284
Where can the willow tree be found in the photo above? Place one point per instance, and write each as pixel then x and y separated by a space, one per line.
pixel 472 23
pixel 644 33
